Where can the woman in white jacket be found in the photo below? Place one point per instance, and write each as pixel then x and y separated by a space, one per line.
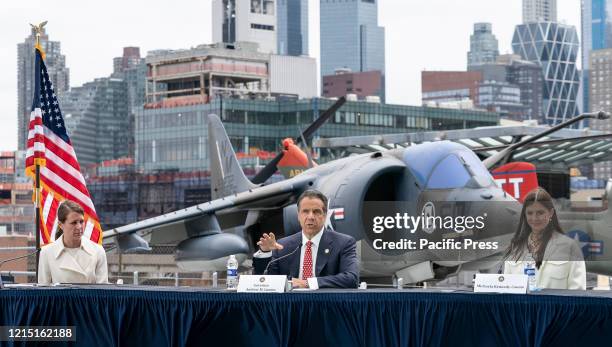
pixel 72 258
pixel 559 261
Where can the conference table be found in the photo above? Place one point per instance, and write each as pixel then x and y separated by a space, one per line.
pixel 123 315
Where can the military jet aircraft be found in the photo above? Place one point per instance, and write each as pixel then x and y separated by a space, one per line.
pixel 419 180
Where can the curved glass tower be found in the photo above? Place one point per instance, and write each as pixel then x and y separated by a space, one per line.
pixel 555 47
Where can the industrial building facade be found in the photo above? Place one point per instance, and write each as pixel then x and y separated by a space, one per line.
pixel 344 81
pixel 199 75
pixel 16 208
pixel 177 138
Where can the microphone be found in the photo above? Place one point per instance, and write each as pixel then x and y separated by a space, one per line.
pixel 13 259
pixel 279 258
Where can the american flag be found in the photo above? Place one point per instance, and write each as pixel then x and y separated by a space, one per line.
pixel 60 172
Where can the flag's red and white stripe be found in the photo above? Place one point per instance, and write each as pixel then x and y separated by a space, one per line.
pixel 596 247
pixel 60 178
pixel 339 213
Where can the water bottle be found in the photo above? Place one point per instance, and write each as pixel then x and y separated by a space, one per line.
pixel 530 270
pixel 215 279
pixel 232 272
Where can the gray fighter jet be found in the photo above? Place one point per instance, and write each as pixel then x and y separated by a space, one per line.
pixel 439 179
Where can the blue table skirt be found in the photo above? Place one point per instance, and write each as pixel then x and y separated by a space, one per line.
pixel 136 316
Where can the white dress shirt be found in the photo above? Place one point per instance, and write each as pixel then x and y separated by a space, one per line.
pixel 316 240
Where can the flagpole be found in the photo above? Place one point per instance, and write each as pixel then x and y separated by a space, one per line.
pixel 38 29
pixel 37 208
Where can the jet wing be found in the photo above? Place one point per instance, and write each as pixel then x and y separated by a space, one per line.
pixel 261 198
pixel 568 140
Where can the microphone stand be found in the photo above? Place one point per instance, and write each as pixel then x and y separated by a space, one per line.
pixel 13 259
pixel 279 258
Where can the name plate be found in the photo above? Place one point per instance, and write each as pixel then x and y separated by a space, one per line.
pixel 500 283
pixel 262 284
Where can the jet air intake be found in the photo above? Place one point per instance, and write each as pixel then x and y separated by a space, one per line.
pixel 367 178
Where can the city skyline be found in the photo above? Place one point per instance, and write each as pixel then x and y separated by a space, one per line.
pixel 417 37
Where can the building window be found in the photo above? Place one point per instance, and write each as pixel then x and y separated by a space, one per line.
pixel 262 26
pixel 262 7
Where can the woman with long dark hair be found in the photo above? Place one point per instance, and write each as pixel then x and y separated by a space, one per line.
pixel 558 259
pixel 72 258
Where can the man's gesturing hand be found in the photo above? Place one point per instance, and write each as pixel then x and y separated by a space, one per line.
pixel 267 242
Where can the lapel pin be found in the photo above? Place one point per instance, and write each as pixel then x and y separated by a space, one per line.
pixel 326 250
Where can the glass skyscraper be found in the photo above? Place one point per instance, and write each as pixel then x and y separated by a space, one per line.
pixel 97 120
pixel 600 99
pixel 351 37
pixel 292 27
pixel 596 27
pixel 539 11
pixel 555 47
pixel 596 34
pixel 483 45
pixel 600 24
pixel 596 60
pixel 58 73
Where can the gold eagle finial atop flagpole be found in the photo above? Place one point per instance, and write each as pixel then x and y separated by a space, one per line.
pixel 39 30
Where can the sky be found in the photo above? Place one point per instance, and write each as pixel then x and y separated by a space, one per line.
pixel 419 35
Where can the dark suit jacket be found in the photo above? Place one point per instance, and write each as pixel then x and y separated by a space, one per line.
pixel 337 268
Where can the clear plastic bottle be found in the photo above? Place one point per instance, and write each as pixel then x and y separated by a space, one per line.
pixel 531 271
pixel 232 272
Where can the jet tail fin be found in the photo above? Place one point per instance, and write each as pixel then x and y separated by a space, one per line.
pixel 226 175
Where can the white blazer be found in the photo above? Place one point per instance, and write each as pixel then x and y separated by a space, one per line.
pixel 57 266
pixel 562 267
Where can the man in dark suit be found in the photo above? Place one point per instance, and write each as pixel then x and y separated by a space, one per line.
pixel 314 258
